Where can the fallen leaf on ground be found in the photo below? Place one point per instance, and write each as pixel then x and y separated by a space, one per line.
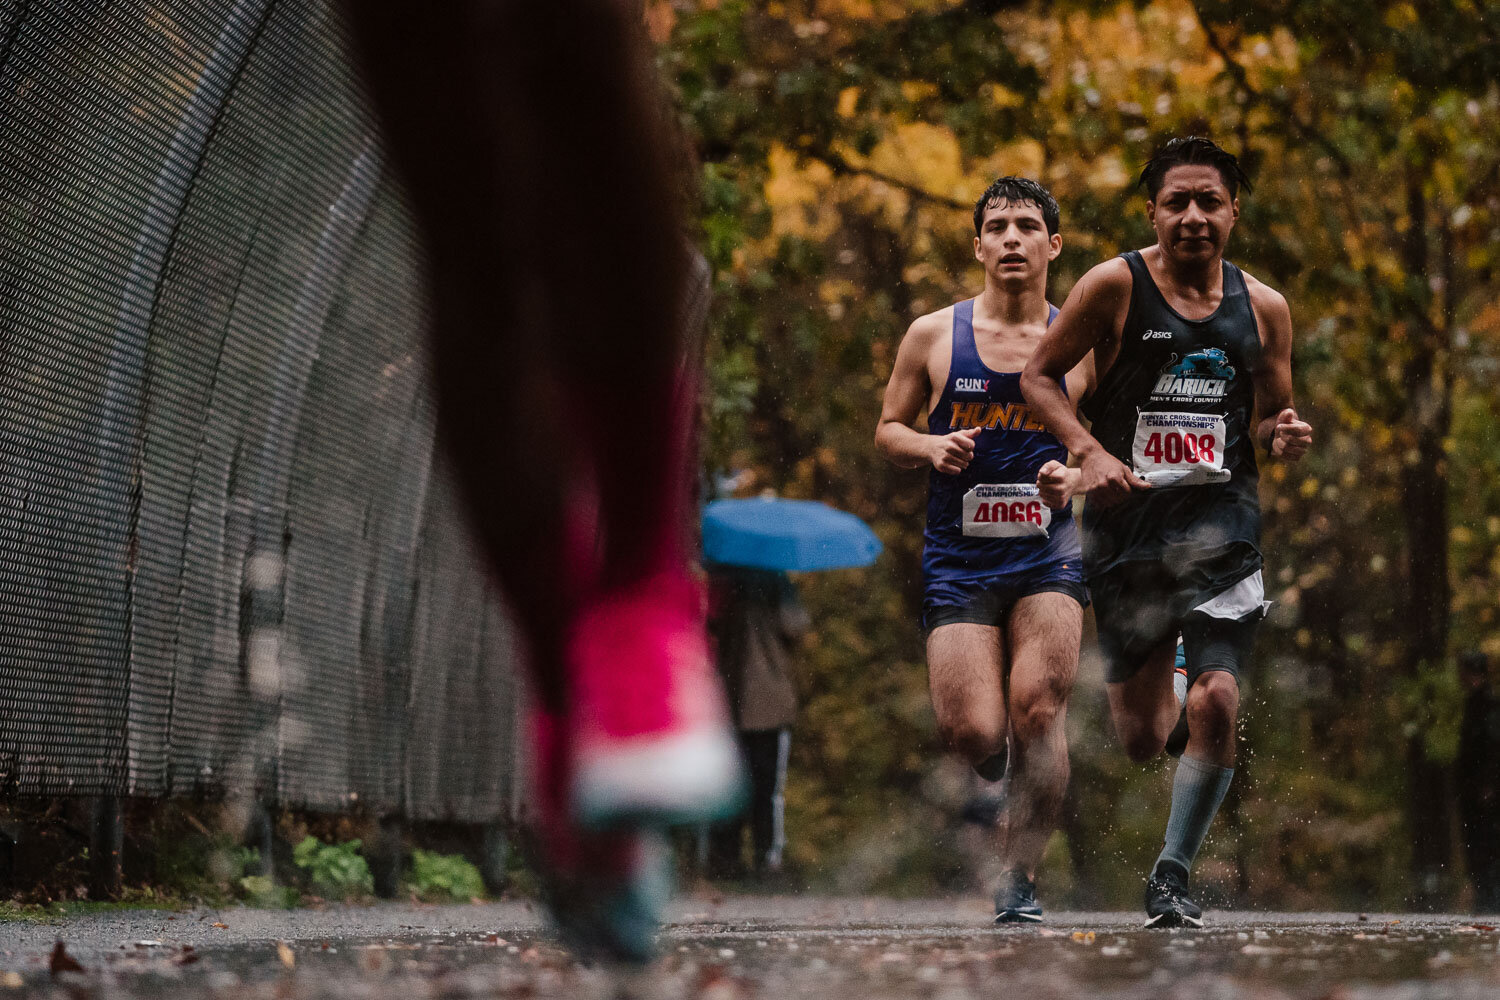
pixel 708 976
pixel 1087 937
pixel 221 926
pixel 63 962
pixel 284 953
pixel 11 980
pixel 1260 949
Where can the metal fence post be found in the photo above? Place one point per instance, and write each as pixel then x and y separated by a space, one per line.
pixel 386 855
pixel 106 847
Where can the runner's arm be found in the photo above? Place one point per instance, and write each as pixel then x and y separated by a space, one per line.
pixel 1088 319
pixel 1082 379
pixel 1278 429
pixel 1058 481
pixel 906 395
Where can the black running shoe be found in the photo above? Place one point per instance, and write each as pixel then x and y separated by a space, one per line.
pixel 987 805
pixel 1167 903
pixel 993 767
pixel 983 810
pixel 1015 900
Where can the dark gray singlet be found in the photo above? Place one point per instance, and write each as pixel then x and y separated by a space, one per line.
pixel 1169 364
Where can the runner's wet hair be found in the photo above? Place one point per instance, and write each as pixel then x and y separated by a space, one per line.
pixel 1192 150
pixel 1019 190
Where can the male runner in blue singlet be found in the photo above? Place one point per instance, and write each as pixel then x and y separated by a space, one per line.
pixel 1194 363
pixel 1003 581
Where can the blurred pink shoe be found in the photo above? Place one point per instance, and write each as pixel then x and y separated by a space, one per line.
pixel 650 738
pixel 606 890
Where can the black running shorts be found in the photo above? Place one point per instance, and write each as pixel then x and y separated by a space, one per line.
pixel 1141 606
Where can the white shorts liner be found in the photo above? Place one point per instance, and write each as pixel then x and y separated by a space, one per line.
pixel 1238 601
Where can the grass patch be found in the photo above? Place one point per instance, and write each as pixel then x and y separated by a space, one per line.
pixel 443 878
pixel 133 898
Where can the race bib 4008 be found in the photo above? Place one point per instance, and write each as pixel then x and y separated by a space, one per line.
pixel 1179 449
pixel 1005 511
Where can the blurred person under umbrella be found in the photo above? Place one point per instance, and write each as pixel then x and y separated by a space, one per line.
pixel 750 545
pixel 757 622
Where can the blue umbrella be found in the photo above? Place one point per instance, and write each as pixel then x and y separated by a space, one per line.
pixel 788 535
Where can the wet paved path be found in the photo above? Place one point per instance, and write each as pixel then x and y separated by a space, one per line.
pixel 744 948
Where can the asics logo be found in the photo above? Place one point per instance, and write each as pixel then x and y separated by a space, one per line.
pixel 1157 335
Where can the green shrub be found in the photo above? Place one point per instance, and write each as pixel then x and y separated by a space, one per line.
pixel 444 877
pixel 334 871
pixel 259 890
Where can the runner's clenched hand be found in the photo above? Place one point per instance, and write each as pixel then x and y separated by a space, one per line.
pixel 952 453
pixel 1107 480
pixel 1056 483
pixel 1291 437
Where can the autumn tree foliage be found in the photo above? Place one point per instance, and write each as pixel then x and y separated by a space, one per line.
pixel 841 145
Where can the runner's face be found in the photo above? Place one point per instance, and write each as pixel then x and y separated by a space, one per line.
pixel 1193 213
pixel 1013 244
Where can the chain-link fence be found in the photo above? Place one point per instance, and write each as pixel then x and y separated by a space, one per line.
pixel 227 560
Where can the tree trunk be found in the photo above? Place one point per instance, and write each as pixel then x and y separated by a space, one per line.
pixel 1424 482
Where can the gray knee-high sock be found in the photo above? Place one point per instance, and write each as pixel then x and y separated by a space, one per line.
pixel 1197 790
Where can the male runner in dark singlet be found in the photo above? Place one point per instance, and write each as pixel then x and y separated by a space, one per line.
pixel 1194 371
pixel 1004 584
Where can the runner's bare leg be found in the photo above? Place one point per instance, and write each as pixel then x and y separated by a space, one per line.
pixel 1144 708
pixel 533 147
pixel 965 673
pixel 1213 704
pixel 531 140
pixel 1045 631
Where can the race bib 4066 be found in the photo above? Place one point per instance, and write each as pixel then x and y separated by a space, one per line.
pixel 1005 511
pixel 1179 449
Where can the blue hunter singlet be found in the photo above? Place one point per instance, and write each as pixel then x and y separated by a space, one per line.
pixel 985 526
